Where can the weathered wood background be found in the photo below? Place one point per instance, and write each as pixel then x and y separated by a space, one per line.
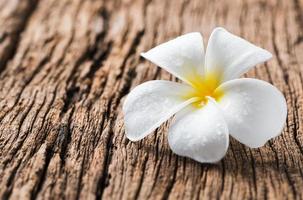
pixel 66 67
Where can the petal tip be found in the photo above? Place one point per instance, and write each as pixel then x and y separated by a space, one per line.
pixel 268 55
pixel 264 54
pixel 143 54
pixel 131 138
pixel 219 29
pixel 258 145
pixel 261 144
pixel 197 34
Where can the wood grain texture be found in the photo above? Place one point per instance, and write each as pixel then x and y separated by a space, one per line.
pixel 66 67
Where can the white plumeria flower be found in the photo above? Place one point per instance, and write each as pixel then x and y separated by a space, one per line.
pixel 212 103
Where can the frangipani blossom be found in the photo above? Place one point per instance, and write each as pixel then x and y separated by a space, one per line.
pixel 213 101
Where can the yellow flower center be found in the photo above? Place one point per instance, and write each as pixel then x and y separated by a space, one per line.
pixel 203 87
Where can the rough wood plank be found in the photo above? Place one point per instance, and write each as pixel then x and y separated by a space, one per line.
pixel 68 65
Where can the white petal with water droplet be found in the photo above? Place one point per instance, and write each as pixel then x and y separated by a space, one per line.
pixel 150 104
pixel 200 134
pixel 254 110
pixel 183 56
pixel 231 56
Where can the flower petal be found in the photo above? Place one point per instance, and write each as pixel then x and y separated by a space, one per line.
pixel 231 56
pixel 150 104
pixel 254 110
pixel 183 57
pixel 200 134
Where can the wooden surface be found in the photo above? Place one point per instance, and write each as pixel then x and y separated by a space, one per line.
pixel 66 67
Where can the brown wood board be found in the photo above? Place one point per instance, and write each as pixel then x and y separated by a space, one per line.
pixel 66 68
